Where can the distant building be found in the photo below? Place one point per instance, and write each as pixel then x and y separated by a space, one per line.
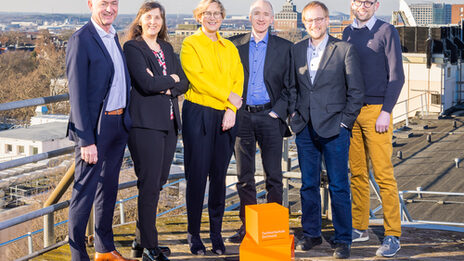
pixel 457 14
pixel 430 13
pixel 336 27
pixel 288 19
pixel 433 72
pixel 187 29
pixel 33 140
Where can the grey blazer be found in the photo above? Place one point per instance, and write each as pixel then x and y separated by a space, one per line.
pixel 335 97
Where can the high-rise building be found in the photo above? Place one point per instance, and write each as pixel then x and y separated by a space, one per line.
pixel 457 14
pixel 430 13
pixel 288 19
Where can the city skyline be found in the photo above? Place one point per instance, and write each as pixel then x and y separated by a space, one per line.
pixel 233 7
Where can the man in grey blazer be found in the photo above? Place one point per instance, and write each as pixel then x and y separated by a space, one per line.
pixel 327 97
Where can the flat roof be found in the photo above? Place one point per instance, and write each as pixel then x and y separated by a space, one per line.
pixel 40 132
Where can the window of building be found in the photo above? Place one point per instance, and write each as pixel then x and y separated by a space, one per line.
pixel 448 72
pixel 436 99
pixel 8 148
pixel 20 149
pixel 34 150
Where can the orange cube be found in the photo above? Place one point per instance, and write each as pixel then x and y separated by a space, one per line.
pixel 280 250
pixel 266 222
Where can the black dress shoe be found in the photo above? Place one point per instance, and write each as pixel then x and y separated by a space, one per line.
pixel 153 254
pixel 237 237
pixel 342 251
pixel 137 250
pixel 306 243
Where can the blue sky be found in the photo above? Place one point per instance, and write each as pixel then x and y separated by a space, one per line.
pixel 181 6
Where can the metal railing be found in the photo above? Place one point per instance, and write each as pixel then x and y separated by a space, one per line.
pixel 423 108
pixel 288 174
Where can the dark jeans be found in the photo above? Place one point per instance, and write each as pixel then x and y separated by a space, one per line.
pixel 97 184
pixel 152 152
pixel 258 128
pixel 207 153
pixel 311 148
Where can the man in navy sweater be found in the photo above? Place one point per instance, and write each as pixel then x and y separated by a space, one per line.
pixel 379 48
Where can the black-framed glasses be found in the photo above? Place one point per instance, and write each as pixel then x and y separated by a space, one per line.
pixel 209 14
pixel 366 4
pixel 317 20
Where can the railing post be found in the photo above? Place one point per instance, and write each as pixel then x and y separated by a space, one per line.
pixel 49 230
pixel 419 195
pixel 422 105
pixel 407 113
pixel 90 226
pixel 29 243
pixel 285 193
pixel 121 212
pixel 285 157
pixel 401 205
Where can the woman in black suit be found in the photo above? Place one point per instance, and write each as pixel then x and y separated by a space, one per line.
pixel 157 80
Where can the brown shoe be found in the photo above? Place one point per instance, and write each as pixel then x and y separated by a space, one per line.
pixel 110 256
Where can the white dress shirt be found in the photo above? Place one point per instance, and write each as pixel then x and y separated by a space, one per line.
pixel 118 92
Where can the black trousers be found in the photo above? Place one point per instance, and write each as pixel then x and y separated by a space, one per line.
pixel 97 184
pixel 207 153
pixel 258 128
pixel 152 152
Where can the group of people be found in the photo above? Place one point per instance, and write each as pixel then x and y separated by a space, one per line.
pixel 238 92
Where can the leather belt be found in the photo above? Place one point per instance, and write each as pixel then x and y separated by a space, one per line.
pixel 258 108
pixel 115 112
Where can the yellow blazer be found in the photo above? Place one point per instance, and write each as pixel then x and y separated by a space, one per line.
pixel 213 69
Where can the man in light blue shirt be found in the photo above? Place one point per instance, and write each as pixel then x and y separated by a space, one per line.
pixel 262 119
pixel 99 84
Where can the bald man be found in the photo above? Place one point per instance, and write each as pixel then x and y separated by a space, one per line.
pixel 262 119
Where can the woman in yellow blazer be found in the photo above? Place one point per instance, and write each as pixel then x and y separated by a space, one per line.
pixel 213 68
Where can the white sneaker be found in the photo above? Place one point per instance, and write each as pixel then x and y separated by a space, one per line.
pixel 359 235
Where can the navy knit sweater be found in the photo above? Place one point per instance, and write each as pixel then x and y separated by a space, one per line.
pixel 379 50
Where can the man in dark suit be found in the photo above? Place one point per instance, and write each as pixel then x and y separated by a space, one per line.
pixel 98 89
pixel 266 63
pixel 329 94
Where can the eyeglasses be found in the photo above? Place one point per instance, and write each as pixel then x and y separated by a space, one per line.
pixel 315 20
pixel 216 15
pixel 366 4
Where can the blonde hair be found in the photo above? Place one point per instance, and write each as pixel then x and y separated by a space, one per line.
pixel 203 5
pixel 314 4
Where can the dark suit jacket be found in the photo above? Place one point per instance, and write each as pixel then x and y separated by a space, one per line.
pixel 90 71
pixel 276 74
pixel 150 108
pixel 337 93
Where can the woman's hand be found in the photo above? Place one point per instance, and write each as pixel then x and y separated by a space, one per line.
pixel 228 121
pixel 175 77
pixel 235 99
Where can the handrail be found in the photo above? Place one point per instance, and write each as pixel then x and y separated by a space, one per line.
pixel 34 158
pixel 62 186
pixel 433 192
pixel 33 102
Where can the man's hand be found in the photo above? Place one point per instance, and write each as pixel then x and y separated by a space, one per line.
pixel 89 154
pixel 168 92
pixel 228 121
pixel 273 115
pixel 383 122
pixel 235 99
